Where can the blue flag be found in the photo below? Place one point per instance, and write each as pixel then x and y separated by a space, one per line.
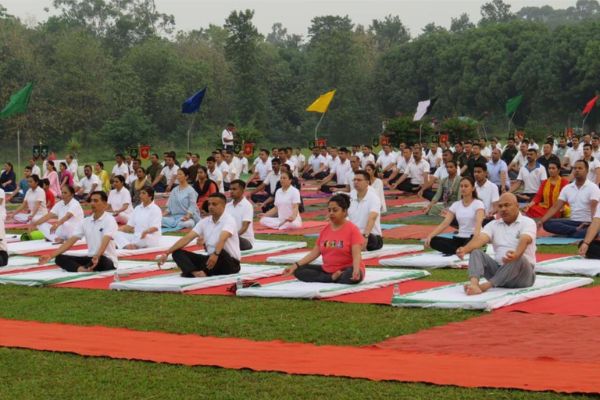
pixel 192 104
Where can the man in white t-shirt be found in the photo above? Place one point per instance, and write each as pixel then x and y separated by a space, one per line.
pixel 530 177
pixel 367 157
pixel 218 234
pixel 120 168
pixel 487 191
pixel 573 154
pixel 234 171
pixel 265 192
pixel 340 171
pixel 169 172
pixel 401 166
pixel 214 173
pixel 365 211
pixel 316 168
pixel 227 136
pixel 299 159
pixel 593 164
pixel 88 184
pixel 73 167
pixel 518 161
pixel 261 169
pixel 434 156
pixel 416 174
pixel 186 164
pixel 68 215
pixel 243 213
pixel 143 228
pixel 98 230
pixel 513 239
pixel 224 168
pixel 582 196
pixel 387 161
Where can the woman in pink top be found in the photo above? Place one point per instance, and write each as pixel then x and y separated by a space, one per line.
pixel 66 177
pixel 339 244
pixel 52 177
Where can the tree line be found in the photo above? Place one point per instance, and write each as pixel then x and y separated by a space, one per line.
pixel 114 73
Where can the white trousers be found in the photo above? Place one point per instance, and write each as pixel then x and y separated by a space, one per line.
pixel 63 232
pixel 123 239
pixel 275 223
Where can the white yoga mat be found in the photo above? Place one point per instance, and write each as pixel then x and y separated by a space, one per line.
pixel 454 296
pixel 386 250
pixel 57 275
pixel 176 283
pixel 375 278
pixel 426 261
pixel 21 263
pixel 34 246
pixel 271 246
pixel 165 243
pixel 574 265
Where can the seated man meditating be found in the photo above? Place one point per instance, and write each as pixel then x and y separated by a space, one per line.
pixel 582 196
pixel 513 239
pixel 340 244
pixel 68 215
pixel 590 246
pixel 98 230
pixel 365 211
pixel 143 227
pixel 218 233
pixel 243 213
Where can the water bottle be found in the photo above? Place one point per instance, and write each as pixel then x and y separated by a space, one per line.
pixel 116 277
pixel 396 290
pixel 239 284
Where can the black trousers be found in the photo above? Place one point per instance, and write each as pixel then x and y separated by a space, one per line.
pixel 72 263
pixel 318 175
pixel 374 242
pixel 327 188
pixel 259 197
pixel 3 258
pixel 448 246
pixel 314 273
pixel 593 250
pixel 254 184
pixel 387 174
pixel 428 194
pixel 245 244
pixel 406 186
pixel 189 262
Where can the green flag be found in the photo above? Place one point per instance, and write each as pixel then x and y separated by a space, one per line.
pixel 513 104
pixel 18 102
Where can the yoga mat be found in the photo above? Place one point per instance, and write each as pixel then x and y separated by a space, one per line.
pixel 555 240
pixel 375 278
pixel 583 302
pixel 410 232
pixel 384 295
pixel 307 227
pixel 428 260
pixel 386 227
pixel 37 246
pixel 533 337
pixel 305 359
pixel 21 263
pixel 572 265
pixel 453 296
pixel 386 250
pixel 405 214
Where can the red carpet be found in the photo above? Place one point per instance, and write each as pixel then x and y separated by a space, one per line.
pixel 583 302
pixel 394 216
pixel 534 337
pixel 305 359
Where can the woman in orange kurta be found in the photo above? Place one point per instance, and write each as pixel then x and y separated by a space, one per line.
pixel 547 194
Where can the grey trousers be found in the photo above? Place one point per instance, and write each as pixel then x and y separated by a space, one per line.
pixel 516 274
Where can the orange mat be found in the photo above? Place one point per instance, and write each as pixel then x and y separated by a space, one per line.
pixel 305 359
pixel 582 302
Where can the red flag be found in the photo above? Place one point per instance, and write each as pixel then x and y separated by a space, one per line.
pixel 590 104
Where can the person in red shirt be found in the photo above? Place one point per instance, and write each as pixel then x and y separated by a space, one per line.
pixel 50 198
pixel 339 244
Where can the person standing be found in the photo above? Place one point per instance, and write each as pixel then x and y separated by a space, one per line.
pixel 227 136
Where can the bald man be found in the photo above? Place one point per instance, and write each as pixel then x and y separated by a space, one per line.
pixel 513 239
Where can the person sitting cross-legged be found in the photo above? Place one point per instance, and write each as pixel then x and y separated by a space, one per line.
pixel 182 209
pixel 365 211
pixel 513 239
pixel 548 193
pixel 340 244
pixel 468 212
pixel 68 215
pixel 243 213
pixel 143 227
pixel 589 247
pixel 218 234
pixel 286 211
pixel 98 230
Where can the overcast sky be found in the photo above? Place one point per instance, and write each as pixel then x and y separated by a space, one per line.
pixel 296 15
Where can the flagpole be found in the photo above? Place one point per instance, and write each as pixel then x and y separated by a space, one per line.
pixel 318 124
pixel 583 123
pixel 18 152
pixel 189 131
pixel 510 120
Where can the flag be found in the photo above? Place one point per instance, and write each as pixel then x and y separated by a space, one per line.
pixel 513 104
pixel 423 108
pixel 18 102
pixel 322 103
pixel 192 104
pixel 589 105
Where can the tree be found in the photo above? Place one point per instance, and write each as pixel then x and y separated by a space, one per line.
pixel 389 32
pixel 129 130
pixel 495 11
pixel 461 23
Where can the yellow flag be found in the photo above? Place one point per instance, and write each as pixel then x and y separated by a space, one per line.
pixel 322 103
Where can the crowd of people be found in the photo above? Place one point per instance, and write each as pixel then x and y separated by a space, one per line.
pixel 489 193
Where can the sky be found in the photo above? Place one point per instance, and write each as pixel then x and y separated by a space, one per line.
pixel 295 15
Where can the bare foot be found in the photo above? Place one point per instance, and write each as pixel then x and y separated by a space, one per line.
pixel 199 274
pixel 82 269
pixel 466 287
pixel 336 275
pixel 473 290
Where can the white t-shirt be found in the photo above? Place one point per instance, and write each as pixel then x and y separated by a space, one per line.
pixel 506 238
pixel 488 194
pixel 61 209
pixel 186 164
pixel 442 173
pixel 402 164
pixel 35 170
pixel 532 179
pixel 377 186
pixel 386 159
pixel 170 174
pixel 242 212
pixel 122 170
pixel 299 160
pixel 74 169
pixel 342 173
pixel 244 165
pixel 263 169
pixel 144 218
pixel 367 159
pixel 87 183
pixel 272 180
pixel 316 162
pixel 94 230
pixel 416 171
pixel 211 233
pixel 466 216
pixel 217 177
pixel 226 135
pixel 284 201
pixel 224 168
pixel 32 197
pixel 580 199
pixel 3 205
pixel 574 154
pixel 116 200
pixel 593 166
pixel 434 159
pixel 520 159
pixel 359 210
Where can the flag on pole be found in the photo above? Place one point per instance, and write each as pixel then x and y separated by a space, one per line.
pixel 18 102
pixel 513 104
pixel 589 105
pixel 192 104
pixel 423 108
pixel 321 104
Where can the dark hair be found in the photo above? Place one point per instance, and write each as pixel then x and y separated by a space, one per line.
pixel 121 178
pixel 118 155
pixel 185 171
pixel 50 162
pixel 69 188
pixel 63 164
pixel 276 161
pixel 472 182
pixel 100 163
pixel 285 167
pixel 239 182
pixel 481 165
pixel 10 165
pixel 43 182
pixel 344 150
pixel 587 145
pixel 218 196
pixel 87 166
pixel 230 125
pixel 149 190
pixel 36 179
pixel 28 167
pixel 364 173
pixel 211 158
pixel 448 151
pixel 288 173
pixel 587 166
pixel 342 200
pixel 450 162
pixel 264 151
pixel 533 150
pixel 103 196
pixel 142 168
pixel 556 163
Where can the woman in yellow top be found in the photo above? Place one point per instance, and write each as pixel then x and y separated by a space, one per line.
pixel 103 176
